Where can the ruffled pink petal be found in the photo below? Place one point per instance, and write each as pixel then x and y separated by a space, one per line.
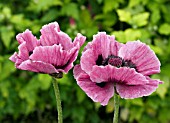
pixel 14 57
pixel 115 47
pixel 72 57
pixel 88 60
pixel 123 75
pixel 29 38
pixel 51 54
pixel 96 93
pixel 101 44
pixel 77 71
pixel 135 91
pixel 51 35
pixel 142 56
pixel 23 51
pixel 37 66
pixel 79 40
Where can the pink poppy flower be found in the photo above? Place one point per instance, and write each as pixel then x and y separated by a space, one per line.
pixel 109 67
pixel 54 52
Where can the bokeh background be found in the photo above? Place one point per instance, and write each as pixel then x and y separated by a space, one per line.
pixel 27 97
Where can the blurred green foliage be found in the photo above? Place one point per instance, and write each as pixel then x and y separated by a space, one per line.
pixel 28 97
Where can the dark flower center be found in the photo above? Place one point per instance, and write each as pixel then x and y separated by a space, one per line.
pixel 115 61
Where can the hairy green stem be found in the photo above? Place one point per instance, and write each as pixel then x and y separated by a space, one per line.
pixel 116 108
pixel 58 100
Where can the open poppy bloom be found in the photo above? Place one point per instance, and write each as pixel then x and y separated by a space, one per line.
pixel 54 52
pixel 109 67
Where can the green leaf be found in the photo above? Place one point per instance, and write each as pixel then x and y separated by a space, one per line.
pixel 120 36
pixel 7 68
pixel 50 16
pixel 20 22
pixel 42 5
pixel 45 81
pixel 71 9
pixel 163 88
pixel 164 29
pixel 155 16
pixel 109 5
pixel 109 19
pixel 156 49
pixel 140 19
pixel 132 34
pixel 133 3
pixel 7 12
pixel 7 34
pixel 80 95
pixel 124 15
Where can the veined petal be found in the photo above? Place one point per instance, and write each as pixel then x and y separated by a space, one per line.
pixel 123 75
pixel 135 91
pixel 37 66
pixel 14 57
pixel 51 35
pixel 88 60
pixel 142 56
pixel 101 44
pixel 51 54
pixel 73 53
pixel 30 40
pixel 77 71
pixel 96 93
pixel 23 51
pixel 79 40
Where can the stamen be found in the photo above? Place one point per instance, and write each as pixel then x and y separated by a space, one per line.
pixel 115 62
pixel 129 63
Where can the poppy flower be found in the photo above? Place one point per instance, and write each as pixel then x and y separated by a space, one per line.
pixel 53 53
pixel 108 67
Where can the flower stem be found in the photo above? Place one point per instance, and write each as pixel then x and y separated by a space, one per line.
pixel 116 108
pixel 58 100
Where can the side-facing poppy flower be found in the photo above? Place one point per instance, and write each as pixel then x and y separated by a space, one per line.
pixel 108 67
pixel 54 52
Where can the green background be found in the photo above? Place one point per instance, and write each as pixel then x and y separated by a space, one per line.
pixel 27 97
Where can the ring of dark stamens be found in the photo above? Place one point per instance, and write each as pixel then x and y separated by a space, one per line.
pixel 103 62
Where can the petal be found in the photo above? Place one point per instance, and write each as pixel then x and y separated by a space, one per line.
pixel 123 75
pixel 115 47
pixel 88 60
pixel 79 40
pixel 14 57
pixel 96 93
pixel 50 54
pixel 23 51
pixel 51 35
pixel 37 66
pixel 135 91
pixel 77 71
pixel 29 38
pixel 102 44
pixel 72 57
pixel 142 56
